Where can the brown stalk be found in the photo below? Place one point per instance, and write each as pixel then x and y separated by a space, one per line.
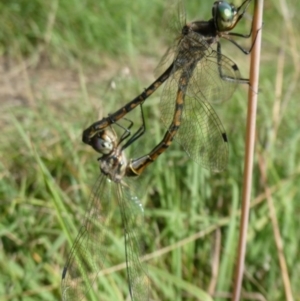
pixel 250 141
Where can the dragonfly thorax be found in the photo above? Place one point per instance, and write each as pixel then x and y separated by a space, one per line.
pixel 114 165
pixel 203 28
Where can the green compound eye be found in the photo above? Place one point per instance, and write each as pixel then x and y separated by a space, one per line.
pixel 223 14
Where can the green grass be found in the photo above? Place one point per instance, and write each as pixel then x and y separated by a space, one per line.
pixel 73 50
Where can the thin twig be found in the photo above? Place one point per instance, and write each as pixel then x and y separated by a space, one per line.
pixel 215 263
pixel 250 139
pixel 277 106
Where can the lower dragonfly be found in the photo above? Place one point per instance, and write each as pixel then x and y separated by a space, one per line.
pixel 207 75
pixel 87 256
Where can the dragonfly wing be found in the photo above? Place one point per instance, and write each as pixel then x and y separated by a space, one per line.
pixel 200 132
pixel 174 18
pixel 87 255
pixel 133 223
pixel 215 77
pixel 202 135
pixel 205 76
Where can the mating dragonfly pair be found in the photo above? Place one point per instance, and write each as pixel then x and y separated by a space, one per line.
pixel 199 74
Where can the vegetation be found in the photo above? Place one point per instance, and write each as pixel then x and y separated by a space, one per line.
pixel 62 61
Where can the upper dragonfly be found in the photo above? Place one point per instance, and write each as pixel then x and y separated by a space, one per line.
pixel 202 74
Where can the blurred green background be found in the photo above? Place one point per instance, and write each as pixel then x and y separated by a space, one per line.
pixel 65 64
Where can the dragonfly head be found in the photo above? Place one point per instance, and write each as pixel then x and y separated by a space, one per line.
pixel 104 142
pixel 224 15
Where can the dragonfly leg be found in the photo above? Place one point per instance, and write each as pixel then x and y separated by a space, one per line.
pixel 245 36
pixel 140 132
pixel 234 67
pixel 245 51
pixel 127 131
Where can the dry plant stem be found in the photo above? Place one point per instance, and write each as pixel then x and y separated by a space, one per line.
pixel 28 86
pixel 276 232
pixel 246 296
pixel 250 139
pixel 277 113
pixel 290 43
pixel 215 262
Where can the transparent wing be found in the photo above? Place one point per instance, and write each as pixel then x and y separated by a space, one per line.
pixel 174 19
pixel 215 77
pixel 200 133
pixel 209 76
pixel 87 255
pixel 133 224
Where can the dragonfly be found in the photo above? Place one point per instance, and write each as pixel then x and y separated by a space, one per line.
pixel 88 253
pixel 198 75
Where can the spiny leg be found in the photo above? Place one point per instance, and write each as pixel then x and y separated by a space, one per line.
pixel 140 132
